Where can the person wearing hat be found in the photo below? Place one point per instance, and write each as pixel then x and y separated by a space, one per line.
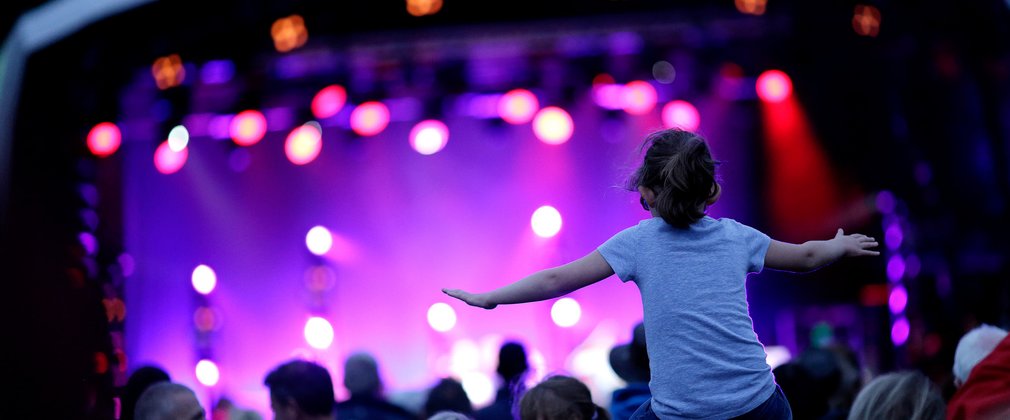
pixel 631 363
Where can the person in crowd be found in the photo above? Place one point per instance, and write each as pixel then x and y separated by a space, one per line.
pixel 906 395
pixel 447 395
pixel 512 367
pixel 362 380
pixel 982 375
pixel 560 397
pixel 168 401
pixel 300 390
pixel 630 361
pixel 136 384
pixel 706 360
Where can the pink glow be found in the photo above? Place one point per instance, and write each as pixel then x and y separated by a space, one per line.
pixel 429 137
pixel 774 86
pixel 104 139
pixel 553 125
pixel 248 128
pixel 370 118
pixel 681 114
pixel 639 97
pixel 329 101
pixel 518 106
pixel 303 144
pixel 167 161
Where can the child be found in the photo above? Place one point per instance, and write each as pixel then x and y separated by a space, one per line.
pixel 691 269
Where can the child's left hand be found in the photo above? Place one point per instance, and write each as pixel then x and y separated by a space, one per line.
pixel 479 300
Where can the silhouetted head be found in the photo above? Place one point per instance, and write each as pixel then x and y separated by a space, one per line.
pixel 361 375
pixel 677 176
pixel 560 398
pixel 512 362
pixel 300 388
pixel 168 401
pixel 138 382
pixel 447 395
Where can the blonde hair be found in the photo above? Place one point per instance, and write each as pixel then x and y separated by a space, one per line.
pixel 902 395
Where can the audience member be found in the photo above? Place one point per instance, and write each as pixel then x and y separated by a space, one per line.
pixel 512 367
pixel 982 373
pixel 168 401
pixel 137 383
pixel 447 395
pixel 630 362
pixel 902 395
pixel 450 415
pixel 300 390
pixel 362 380
pixel 560 398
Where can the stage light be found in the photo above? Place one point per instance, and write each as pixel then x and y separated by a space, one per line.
pixel 204 279
pixel 319 240
pixel 885 202
pixel 205 319
pixel 464 357
pixel 893 236
pixel 247 128
pixel 898 299
pixel 303 144
pixel 423 7
pixel 546 221
pixel 751 7
pixel 168 162
pixel 899 331
pixel 681 114
pixel 104 139
pixel 895 268
pixel 518 106
pixel 441 317
pixel 207 372
pixel 478 388
pixel 866 20
pixel 178 138
pixel 552 125
pixel 168 71
pixel 639 97
pixel 329 101
pixel 664 72
pixel 566 312
pixel 429 137
pixel 289 33
pixel 319 333
pixel 89 242
pixel 369 118
pixel 774 86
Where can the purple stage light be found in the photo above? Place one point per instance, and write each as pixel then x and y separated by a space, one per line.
pixel 681 114
pixel 899 331
pixel 429 137
pixel 546 221
pixel 898 299
pixel 885 202
pixel 167 161
pixel 518 106
pixel 895 268
pixel 893 236
pixel 566 312
pixel 318 333
pixel 207 372
pixel 204 279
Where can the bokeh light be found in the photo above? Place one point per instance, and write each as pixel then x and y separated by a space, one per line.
pixel 441 317
pixel 167 161
pixel 318 333
pixel 553 125
pixel 866 20
pixel 518 106
pixel 429 137
pixel 893 236
pixel 104 139
pixel 204 279
pixel 639 97
pixel 898 299
pixel 207 372
pixel 289 33
pixel 478 388
pixel 899 331
pixel 168 71
pixel 566 312
pixel 329 101
pixel 423 7
pixel 369 118
pixel 664 72
pixel 681 114
pixel 319 240
pixel 178 138
pixel 885 202
pixel 895 268
pixel 751 7
pixel 546 221
pixel 303 144
pixel 248 127
pixel 774 86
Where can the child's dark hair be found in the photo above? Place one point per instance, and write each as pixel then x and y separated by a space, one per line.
pixel 560 398
pixel 679 169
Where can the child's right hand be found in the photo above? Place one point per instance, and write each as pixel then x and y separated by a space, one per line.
pixel 856 244
pixel 479 300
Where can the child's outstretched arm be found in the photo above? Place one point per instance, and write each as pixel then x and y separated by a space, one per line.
pixel 812 255
pixel 542 285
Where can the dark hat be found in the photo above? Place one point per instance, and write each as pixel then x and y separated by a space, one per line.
pixel 631 361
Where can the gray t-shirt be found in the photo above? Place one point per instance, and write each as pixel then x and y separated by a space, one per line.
pixel 706 360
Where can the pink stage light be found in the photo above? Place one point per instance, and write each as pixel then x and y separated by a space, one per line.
pixel 899 331
pixel 370 118
pixel 638 97
pixel 429 137
pixel 204 279
pixel 441 317
pixel 774 86
pixel 553 125
pixel 895 268
pixel 319 333
pixel 681 114
pixel 566 312
pixel 319 240
pixel 167 161
pixel 546 221
pixel 518 106
pixel 303 144
pixel 248 128
pixel 898 299
pixel 329 101
pixel 104 139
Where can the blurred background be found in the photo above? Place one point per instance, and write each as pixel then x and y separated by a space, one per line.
pixel 218 187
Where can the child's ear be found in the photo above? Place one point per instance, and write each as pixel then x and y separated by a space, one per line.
pixel 716 193
pixel 648 195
